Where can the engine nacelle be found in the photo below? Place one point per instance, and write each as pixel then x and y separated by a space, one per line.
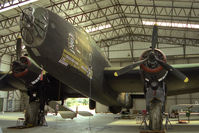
pixel 26 69
pixel 125 100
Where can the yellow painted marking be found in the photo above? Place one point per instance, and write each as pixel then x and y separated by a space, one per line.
pixel 19 37
pixel 186 80
pixel 115 74
pixel 76 59
pixel 44 72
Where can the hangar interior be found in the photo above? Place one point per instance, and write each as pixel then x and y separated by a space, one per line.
pixel 122 29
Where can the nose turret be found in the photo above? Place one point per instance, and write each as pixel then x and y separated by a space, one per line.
pixel 33 25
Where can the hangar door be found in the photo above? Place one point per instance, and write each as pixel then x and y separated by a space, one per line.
pixel 1 104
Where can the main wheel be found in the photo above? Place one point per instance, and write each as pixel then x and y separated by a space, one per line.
pixel 155 115
pixel 92 104
pixel 115 109
pixel 32 114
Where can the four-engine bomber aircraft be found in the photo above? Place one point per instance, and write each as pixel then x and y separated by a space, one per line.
pixel 65 62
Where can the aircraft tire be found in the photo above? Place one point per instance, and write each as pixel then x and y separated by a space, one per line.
pixel 31 114
pixel 155 115
pixel 115 109
pixel 92 104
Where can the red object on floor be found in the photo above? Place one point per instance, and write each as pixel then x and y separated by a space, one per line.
pixel 182 122
pixel 144 112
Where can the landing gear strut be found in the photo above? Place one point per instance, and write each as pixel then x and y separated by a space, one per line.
pixel 155 115
pixel 31 114
pixel 35 115
pixel 155 103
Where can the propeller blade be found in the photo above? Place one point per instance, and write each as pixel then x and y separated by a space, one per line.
pixel 18 48
pixel 129 67
pixel 154 37
pixel 174 71
pixel 4 75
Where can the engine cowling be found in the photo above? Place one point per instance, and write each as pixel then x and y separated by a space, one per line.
pixel 125 100
pixel 152 68
pixel 26 69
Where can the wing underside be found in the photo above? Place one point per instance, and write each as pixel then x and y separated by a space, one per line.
pixel 9 82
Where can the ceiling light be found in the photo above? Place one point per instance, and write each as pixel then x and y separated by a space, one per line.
pixel 8 6
pixel 98 28
pixel 23 47
pixel 172 24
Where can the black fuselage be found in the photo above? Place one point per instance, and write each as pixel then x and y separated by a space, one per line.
pixel 71 56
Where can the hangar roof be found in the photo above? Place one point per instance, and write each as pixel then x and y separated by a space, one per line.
pixel 117 26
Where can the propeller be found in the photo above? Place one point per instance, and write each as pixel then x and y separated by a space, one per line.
pixel 18 48
pixel 154 37
pixel 18 54
pixel 174 71
pixel 130 67
pixel 4 75
pixel 152 58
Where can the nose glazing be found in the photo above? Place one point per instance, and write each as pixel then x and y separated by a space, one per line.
pixel 33 25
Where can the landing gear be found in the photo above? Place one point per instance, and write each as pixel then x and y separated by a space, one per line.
pixel 155 103
pixel 92 104
pixel 31 114
pixel 155 115
pixel 35 115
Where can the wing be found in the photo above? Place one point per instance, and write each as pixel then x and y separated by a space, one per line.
pixel 129 82
pixel 9 82
pixel 176 86
pixel 133 82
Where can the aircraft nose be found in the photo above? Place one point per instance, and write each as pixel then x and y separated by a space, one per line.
pixel 33 25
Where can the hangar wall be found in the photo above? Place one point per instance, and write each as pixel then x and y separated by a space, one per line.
pixel 193 98
pixel 5 63
pixel 11 99
pixel 3 96
pixel 125 51
pixel 5 67
pixel 140 104
pixel 100 108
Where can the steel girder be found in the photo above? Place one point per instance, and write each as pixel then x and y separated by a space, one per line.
pixel 8 3
pixel 147 38
pixel 14 21
pixel 146 12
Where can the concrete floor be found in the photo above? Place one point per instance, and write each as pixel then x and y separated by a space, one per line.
pixel 99 123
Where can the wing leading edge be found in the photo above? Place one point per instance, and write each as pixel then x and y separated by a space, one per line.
pixel 9 82
pixel 132 81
